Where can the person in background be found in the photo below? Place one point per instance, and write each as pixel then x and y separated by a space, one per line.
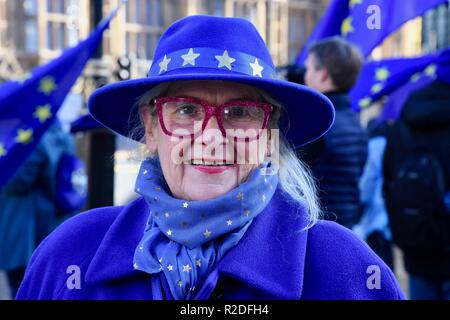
pixel 374 224
pixel 28 211
pixel 417 186
pixel 332 67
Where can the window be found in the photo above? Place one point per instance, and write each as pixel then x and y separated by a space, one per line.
pixel 30 8
pixel 247 10
pixel 212 7
pixel 56 6
pixel 436 23
pixel 30 42
pixel 31 36
pixel 143 26
pixel 62 23
pixel 143 12
pixel 50 39
pixel 296 32
pixel 56 36
pixel 131 15
pixel 3 24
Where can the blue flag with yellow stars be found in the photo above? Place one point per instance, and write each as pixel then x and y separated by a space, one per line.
pixel 28 108
pixel 365 23
pixel 395 79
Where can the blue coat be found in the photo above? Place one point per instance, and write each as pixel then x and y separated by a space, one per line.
pixel 27 210
pixel 273 260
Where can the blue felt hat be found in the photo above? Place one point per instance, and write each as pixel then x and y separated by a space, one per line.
pixel 216 48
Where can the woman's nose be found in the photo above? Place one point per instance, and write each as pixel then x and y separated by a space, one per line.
pixel 212 133
pixel 212 123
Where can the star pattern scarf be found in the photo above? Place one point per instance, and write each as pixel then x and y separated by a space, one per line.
pixel 186 239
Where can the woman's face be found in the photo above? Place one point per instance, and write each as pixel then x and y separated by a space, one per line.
pixel 195 178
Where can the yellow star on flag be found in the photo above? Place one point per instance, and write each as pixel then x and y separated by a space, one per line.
pixel 2 150
pixel 346 26
pixel 354 3
pixel 43 113
pixel 382 74
pixel 415 77
pixel 376 88
pixel 365 102
pixel 431 70
pixel 207 233
pixel 24 136
pixel 47 85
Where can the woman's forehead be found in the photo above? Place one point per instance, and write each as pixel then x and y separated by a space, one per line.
pixel 213 90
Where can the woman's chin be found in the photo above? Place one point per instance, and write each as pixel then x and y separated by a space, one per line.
pixel 204 186
pixel 208 192
pixel 199 191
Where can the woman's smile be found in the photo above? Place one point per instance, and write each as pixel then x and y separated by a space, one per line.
pixel 213 169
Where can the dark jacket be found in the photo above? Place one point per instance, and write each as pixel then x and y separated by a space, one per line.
pixel 339 166
pixel 427 115
pixel 275 259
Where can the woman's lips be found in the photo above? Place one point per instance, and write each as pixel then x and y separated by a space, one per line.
pixel 212 169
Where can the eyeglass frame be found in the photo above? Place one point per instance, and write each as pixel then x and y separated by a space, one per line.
pixel 211 110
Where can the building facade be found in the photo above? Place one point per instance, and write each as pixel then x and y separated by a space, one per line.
pixel 35 31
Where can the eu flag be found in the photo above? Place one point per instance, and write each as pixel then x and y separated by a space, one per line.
pixel 365 23
pixel 395 79
pixel 28 108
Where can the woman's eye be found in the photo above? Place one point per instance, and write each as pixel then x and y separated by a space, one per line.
pixel 187 109
pixel 236 112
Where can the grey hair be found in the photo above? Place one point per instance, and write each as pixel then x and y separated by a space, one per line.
pixel 295 177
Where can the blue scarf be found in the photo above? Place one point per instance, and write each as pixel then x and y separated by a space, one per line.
pixel 186 239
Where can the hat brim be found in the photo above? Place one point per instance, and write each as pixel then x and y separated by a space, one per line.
pixel 307 114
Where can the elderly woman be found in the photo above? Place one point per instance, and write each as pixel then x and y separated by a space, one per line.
pixel 226 210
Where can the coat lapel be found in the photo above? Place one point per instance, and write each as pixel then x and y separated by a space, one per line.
pixel 269 258
pixel 114 257
pixel 271 255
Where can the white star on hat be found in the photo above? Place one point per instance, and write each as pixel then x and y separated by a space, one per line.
pixel 186 268
pixel 189 58
pixel 256 68
pixel 163 64
pixel 225 60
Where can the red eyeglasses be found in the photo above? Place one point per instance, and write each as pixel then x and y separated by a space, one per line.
pixel 181 116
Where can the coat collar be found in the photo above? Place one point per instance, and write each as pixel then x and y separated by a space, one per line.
pixel 340 99
pixel 270 257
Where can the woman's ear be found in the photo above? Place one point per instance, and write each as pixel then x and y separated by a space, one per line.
pixel 150 128
pixel 323 75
